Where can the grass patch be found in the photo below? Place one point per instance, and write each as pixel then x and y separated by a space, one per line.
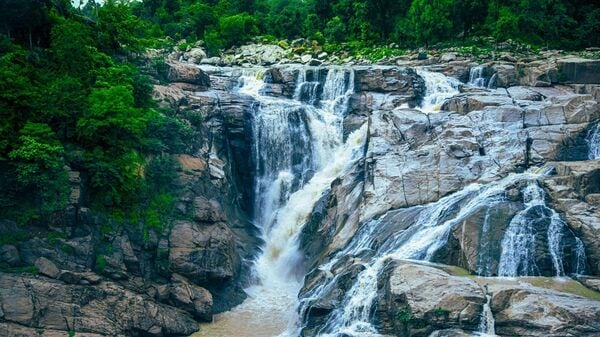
pixel 565 286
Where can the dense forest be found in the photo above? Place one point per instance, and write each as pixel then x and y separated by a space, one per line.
pixel 72 95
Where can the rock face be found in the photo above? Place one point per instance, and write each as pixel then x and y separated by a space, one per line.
pixel 533 311
pixel 413 159
pixel 202 253
pixel 108 309
pixel 418 299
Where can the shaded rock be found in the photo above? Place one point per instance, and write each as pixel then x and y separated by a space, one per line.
pixel 207 210
pixel 196 300
pixel 579 70
pixel 10 255
pixel 203 253
pixel 107 309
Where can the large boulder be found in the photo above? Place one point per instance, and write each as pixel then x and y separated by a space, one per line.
pixel 418 299
pixel 522 310
pixel 193 299
pixel 47 267
pixel 579 70
pixel 187 73
pixel 203 253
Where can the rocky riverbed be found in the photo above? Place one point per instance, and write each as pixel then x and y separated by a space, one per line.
pixel 472 152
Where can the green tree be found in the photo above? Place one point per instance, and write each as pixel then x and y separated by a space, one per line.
pixel 429 20
pixel 38 161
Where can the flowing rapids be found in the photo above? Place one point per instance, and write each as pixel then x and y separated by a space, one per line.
pixel 438 88
pixel 298 152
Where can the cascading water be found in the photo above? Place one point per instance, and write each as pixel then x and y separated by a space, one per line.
pixel 476 77
pixel 593 140
pixel 438 88
pixel 420 241
pixel 518 256
pixel 298 152
pixel 487 322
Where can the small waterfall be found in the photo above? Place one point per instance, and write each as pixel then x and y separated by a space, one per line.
pixel 492 82
pixel 518 257
pixel 580 257
pixel 487 323
pixel 485 257
pixel 476 77
pixel 438 88
pixel 593 140
pixel 307 86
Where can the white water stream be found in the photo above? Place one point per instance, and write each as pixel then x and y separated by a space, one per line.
pixel 593 140
pixel 298 153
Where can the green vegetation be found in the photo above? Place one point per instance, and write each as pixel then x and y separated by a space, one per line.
pixel 18 270
pixel 407 23
pixel 72 96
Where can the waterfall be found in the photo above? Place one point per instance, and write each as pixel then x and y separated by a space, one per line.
pixel 519 242
pixel 438 88
pixel 593 140
pixel 476 77
pixel 420 241
pixel 492 82
pixel 487 322
pixel 298 151
pixel 485 258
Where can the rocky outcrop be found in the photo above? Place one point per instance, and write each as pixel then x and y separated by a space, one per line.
pixel 532 311
pixel 416 300
pixel 104 310
pixel 203 253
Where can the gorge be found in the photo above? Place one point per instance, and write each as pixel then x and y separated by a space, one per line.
pixel 425 199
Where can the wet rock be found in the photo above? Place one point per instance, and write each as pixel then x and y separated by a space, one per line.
pixel 570 190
